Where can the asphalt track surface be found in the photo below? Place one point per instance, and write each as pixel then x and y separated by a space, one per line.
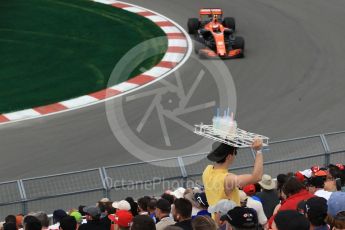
pixel 290 84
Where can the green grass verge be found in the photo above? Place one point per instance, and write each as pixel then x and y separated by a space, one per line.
pixel 54 50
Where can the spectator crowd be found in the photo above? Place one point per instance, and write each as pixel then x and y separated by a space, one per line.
pixel 312 199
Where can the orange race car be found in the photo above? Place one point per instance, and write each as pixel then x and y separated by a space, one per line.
pixel 215 36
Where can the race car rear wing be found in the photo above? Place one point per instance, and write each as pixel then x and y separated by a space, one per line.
pixel 213 11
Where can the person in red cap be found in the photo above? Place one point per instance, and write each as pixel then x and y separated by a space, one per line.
pixel 249 189
pixel 315 169
pixel 121 220
pixel 123 216
pixel 299 176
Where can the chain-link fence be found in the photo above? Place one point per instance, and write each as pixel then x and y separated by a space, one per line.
pixel 69 190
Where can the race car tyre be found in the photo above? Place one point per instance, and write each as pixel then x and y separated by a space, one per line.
pixel 229 22
pixel 238 43
pixel 193 25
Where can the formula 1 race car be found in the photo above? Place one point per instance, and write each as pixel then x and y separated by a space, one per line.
pixel 214 36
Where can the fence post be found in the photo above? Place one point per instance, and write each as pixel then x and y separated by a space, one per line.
pixel 253 153
pixel 103 176
pixel 183 171
pixel 326 148
pixel 22 196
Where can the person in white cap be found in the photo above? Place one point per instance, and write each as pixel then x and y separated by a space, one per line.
pixel 269 196
pixel 122 205
pixel 178 193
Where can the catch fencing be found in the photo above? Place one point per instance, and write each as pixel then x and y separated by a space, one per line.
pixel 69 190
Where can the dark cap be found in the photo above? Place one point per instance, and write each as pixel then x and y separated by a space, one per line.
pixel 164 205
pixel 301 207
pixel 317 181
pixel 291 220
pixel 58 214
pixel 9 226
pixel 316 206
pixel 242 217
pixel 92 211
pixel 201 199
pixel 219 151
pixel 143 222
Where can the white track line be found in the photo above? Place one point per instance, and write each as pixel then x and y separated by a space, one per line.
pixel 79 101
pixel 23 114
pixel 124 86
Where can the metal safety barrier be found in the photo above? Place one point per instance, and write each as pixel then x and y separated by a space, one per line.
pixel 69 190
